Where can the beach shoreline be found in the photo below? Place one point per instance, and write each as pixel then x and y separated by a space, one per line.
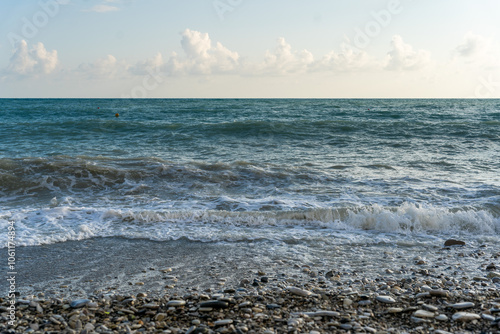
pixel 136 285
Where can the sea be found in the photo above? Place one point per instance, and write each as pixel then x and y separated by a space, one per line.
pixel 344 182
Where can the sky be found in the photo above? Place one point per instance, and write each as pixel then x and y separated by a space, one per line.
pixel 249 49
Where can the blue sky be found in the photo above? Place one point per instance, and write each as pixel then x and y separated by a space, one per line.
pixel 243 48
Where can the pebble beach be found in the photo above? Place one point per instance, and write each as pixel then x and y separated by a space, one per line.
pixel 279 296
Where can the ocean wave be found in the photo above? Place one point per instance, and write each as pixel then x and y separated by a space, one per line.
pixel 331 225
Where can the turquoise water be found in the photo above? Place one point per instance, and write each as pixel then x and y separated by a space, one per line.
pixel 284 170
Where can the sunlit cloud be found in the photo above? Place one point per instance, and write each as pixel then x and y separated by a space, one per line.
pixel 403 57
pixel 283 60
pixel 346 60
pixel 201 56
pixel 104 68
pixel 32 61
pixel 156 64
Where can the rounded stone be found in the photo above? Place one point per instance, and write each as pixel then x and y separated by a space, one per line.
pixel 385 299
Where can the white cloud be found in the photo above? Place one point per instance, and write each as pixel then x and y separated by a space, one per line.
pixel 201 57
pixel 107 68
pixel 285 61
pixel 155 64
pixel 102 9
pixel 346 60
pixel 402 57
pixel 34 61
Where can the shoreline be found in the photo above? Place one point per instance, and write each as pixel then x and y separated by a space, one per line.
pixel 157 287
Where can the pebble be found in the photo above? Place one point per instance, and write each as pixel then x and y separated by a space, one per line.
pixel 465 316
pixel 77 303
pixel 323 314
pixel 385 299
pixel 491 267
pixel 176 303
pixel 441 317
pixel 488 317
pixel 295 322
pixel 423 314
pixel 394 310
pixel 223 322
pixel 214 304
pixel 453 242
pixel 463 305
pixel 272 306
pixel 299 292
pixel 493 274
pixel 430 307
pixel 438 293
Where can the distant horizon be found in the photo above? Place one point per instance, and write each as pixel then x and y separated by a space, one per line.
pixel 250 98
pixel 249 49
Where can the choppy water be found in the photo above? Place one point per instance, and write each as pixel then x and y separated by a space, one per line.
pixel 292 172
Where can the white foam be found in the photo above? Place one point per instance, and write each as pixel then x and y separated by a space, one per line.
pixel 360 225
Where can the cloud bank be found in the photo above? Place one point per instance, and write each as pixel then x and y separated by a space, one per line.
pixel 201 56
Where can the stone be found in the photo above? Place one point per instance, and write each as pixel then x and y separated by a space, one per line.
pixel 385 299
pixel 39 308
pixel 441 317
pixel 322 313
pixel 493 274
pixel 364 302
pixel 423 295
pixel 431 308
pixel 223 322
pixel 347 302
pixel 152 306
pixel 394 310
pixel 272 306
pixel 295 322
pixel 299 292
pixel 423 314
pixel 160 316
pixel 418 320
pixel 176 303
pixel 214 304
pixel 453 242
pixel 491 267
pixel 459 306
pixel 438 293
pixel 77 303
pixel 465 316
pixel 488 317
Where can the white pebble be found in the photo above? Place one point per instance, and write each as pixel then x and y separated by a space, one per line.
pixel 299 292
pixel 386 299
pixel 465 316
pixel 463 305
pixel 423 314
